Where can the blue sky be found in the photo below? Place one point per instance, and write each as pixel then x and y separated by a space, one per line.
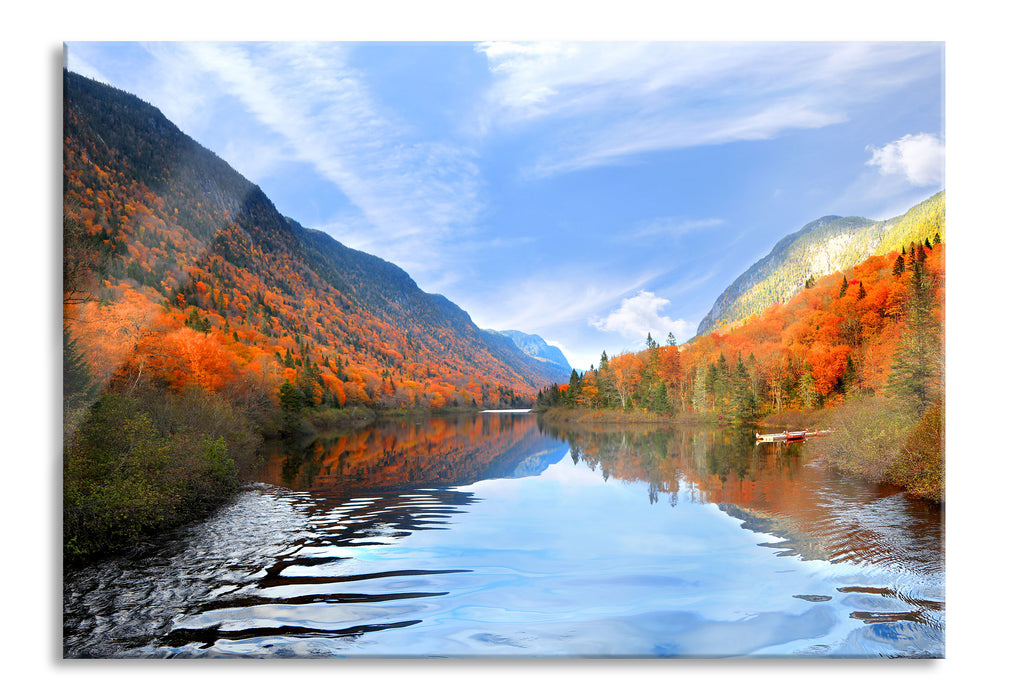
pixel 587 192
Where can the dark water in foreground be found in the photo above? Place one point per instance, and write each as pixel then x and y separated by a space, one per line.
pixel 490 535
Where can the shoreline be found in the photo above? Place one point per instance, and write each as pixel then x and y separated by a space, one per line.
pixel 892 473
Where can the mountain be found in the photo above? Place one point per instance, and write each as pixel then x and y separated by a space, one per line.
pixel 534 346
pixel 179 270
pixel 829 244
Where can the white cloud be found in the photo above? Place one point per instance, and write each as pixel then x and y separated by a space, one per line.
pixel 544 300
pixel 641 315
pixel 920 158
pixel 608 101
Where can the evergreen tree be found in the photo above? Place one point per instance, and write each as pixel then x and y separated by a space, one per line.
pixel 310 383
pixel 844 287
pixel 743 407
pixel 721 385
pixel 658 400
pixel 917 369
pixel 78 385
pixel 898 266
pixel 291 398
pixel 848 379
pixel 194 321
pixel 574 388
pixel 604 382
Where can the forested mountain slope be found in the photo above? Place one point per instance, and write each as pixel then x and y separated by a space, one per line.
pixel 178 269
pixel 825 246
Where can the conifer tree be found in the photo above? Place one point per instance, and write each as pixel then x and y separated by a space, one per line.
pixel 78 384
pixel 574 388
pixel 898 266
pixel 917 369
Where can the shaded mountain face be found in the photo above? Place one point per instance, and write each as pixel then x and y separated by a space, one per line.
pixel 534 346
pixel 827 245
pixel 166 230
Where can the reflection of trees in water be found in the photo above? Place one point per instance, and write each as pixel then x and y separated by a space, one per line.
pixel 770 487
pixel 714 464
pixel 437 451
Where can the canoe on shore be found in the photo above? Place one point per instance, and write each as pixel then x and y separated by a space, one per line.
pixel 792 435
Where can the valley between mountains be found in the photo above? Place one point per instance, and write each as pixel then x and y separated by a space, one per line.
pixel 198 319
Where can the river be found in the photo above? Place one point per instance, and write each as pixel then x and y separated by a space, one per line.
pixel 493 535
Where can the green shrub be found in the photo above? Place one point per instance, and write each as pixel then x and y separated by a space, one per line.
pixel 921 465
pixel 141 464
pixel 884 440
pixel 868 437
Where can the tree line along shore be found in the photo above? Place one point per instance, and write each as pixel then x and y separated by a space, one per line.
pixel 860 352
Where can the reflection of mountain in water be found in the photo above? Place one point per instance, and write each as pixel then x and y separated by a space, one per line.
pixel 794 542
pixel 440 451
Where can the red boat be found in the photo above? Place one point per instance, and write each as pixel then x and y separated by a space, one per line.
pixel 792 435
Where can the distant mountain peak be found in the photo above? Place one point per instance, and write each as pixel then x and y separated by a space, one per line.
pixel 534 346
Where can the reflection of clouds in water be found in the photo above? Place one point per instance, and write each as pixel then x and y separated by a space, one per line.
pixel 561 564
pixel 665 633
pixel 692 635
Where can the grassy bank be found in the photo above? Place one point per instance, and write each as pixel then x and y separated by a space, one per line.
pixel 614 417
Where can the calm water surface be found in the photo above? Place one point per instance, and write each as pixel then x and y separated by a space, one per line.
pixel 492 535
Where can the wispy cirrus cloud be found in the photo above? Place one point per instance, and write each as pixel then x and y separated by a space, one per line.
pixel 612 101
pixel 409 194
pixel 672 228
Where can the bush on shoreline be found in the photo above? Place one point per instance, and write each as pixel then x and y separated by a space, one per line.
pixel 141 464
pixel 921 465
pixel 885 440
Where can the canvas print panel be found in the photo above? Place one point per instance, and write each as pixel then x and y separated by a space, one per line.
pixel 503 350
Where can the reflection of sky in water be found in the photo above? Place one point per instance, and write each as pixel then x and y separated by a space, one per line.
pixel 557 564
pixel 567 563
